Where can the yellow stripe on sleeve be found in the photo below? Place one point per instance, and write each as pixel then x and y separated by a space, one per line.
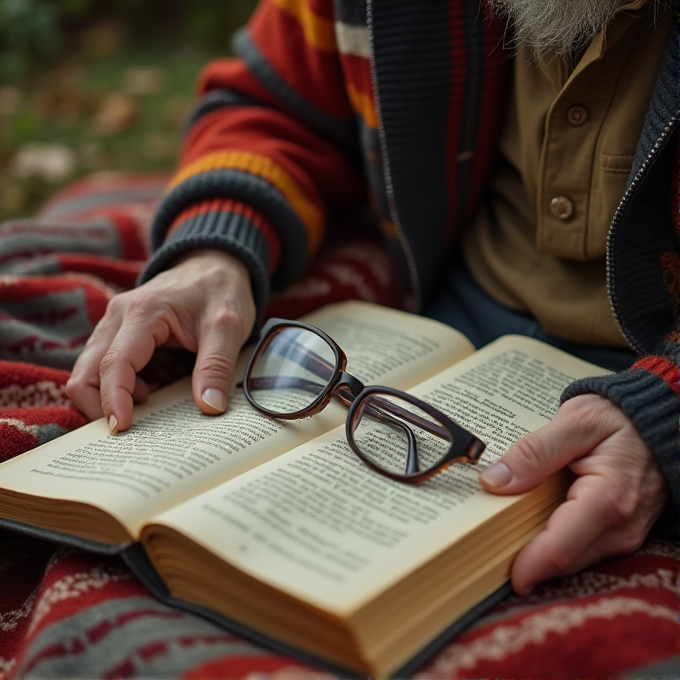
pixel 265 168
pixel 363 104
pixel 319 32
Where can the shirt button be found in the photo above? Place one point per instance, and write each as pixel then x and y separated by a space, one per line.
pixel 561 207
pixel 577 115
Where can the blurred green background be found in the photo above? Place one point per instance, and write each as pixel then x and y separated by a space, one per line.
pixel 99 85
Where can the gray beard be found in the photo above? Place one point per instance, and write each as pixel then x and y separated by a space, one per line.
pixel 562 26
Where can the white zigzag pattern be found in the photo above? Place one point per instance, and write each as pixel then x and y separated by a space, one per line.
pixel 505 640
pixel 587 584
pixel 21 426
pixel 660 548
pixel 42 393
pixel 348 277
pixel 10 620
pixel 75 585
pixel 598 584
pixel 6 666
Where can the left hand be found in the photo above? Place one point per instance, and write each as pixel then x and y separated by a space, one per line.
pixel 203 303
pixel 610 507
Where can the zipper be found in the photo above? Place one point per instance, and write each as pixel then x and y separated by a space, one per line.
pixel 616 220
pixel 387 174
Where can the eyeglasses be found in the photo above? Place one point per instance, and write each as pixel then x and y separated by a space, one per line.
pixel 296 369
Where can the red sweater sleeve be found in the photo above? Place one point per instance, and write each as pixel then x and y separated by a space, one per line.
pixel 271 150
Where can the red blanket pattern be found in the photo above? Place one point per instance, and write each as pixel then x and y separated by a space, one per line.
pixel 68 613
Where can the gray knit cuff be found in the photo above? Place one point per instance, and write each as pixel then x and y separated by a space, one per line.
pixel 229 231
pixel 654 409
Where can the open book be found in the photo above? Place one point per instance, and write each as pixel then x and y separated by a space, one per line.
pixel 277 528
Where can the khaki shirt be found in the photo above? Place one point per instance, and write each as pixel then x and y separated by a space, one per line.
pixel 565 153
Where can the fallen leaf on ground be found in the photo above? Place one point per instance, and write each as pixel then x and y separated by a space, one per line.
pixel 117 112
pixel 143 80
pixel 10 99
pixel 51 162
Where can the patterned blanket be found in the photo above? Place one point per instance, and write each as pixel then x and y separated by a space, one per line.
pixel 68 613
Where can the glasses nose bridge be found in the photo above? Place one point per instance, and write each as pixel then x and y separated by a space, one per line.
pixel 347 387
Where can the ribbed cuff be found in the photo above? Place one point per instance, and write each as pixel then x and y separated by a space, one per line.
pixel 232 231
pixel 654 409
pixel 245 189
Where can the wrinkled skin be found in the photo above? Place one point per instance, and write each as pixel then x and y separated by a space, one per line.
pixel 618 494
pixel 204 304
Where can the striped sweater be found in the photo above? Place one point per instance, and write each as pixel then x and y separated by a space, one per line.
pixel 331 106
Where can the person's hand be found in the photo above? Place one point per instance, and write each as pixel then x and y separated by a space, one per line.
pixel 204 304
pixel 617 495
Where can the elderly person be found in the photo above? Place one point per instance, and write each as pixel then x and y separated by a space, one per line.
pixel 521 162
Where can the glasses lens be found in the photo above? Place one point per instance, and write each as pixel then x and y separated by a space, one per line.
pixel 398 436
pixel 291 371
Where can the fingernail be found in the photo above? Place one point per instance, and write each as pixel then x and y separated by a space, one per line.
pixel 215 399
pixel 113 424
pixel 497 475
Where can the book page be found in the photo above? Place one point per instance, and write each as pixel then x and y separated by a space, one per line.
pixel 173 451
pixel 506 390
pixel 319 524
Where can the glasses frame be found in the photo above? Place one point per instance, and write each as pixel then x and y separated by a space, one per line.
pixel 465 447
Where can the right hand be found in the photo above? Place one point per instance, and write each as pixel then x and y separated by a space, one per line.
pixel 617 494
pixel 203 304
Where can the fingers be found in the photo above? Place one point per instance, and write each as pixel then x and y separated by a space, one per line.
pixel 571 539
pixel 578 427
pixel 590 525
pixel 104 381
pixel 83 384
pixel 618 493
pixel 222 330
pixel 131 349
pixel 220 339
pixel 204 304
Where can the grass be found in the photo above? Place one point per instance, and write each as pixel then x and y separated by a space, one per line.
pixel 59 114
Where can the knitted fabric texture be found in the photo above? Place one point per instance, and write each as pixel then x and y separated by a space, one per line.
pixel 68 613
pixel 325 98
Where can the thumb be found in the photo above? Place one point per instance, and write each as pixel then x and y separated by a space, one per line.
pixel 576 429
